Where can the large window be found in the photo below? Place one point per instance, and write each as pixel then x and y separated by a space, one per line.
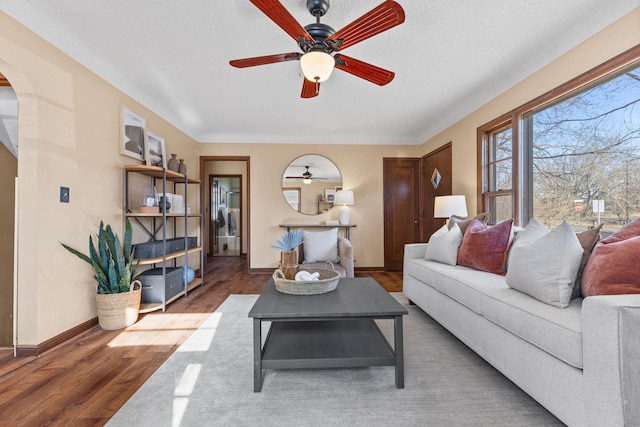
pixel 574 157
pixel 499 194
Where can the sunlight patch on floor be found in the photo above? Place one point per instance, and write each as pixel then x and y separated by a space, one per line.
pixel 183 390
pixel 160 329
pixel 201 339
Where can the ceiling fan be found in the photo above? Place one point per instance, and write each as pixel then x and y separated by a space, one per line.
pixel 321 44
pixel 306 177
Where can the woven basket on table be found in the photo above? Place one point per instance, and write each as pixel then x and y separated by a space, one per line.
pixel 117 311
pixel 327 282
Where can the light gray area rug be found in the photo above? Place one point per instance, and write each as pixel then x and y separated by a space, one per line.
pixel 209 381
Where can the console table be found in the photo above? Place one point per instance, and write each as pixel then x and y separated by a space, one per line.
pixel 347 227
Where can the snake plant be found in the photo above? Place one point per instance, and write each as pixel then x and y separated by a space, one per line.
pixel 113 263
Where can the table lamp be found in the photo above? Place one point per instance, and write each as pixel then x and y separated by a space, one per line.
pixel 445 206
pixel 344 198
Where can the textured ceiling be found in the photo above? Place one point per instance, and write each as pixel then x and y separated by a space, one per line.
pixel 450 57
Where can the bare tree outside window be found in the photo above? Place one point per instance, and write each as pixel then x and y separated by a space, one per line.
pixel 585 148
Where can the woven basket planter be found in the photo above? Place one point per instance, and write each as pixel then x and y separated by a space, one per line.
pixel 117 311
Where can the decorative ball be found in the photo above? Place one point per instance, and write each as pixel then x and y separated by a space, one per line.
pixel 188 274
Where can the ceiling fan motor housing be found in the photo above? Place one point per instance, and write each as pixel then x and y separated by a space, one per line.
pixel 319 31
pixel 317 8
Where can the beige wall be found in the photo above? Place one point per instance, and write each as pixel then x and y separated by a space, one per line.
pixel 361 169
pixel 69 134
pixel 8 173
pixel 617 38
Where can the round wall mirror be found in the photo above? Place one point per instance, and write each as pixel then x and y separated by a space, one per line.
pixel 309 184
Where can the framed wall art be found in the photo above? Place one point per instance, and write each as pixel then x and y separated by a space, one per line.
pixel 156 153
pixel 329 194
pixel 132 132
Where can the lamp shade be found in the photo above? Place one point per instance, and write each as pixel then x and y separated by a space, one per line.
pixel 445 206
pixel 317 65
pixel 344 197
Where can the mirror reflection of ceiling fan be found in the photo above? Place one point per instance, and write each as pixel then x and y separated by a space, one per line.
pixel 306 177
pixel 322 46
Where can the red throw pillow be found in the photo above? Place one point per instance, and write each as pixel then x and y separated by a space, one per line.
pixel 485 248
pixel 614 267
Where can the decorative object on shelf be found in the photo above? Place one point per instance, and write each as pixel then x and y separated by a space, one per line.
pixel 173 164
pixel 117 300
pixel 164 205
pixel 182 167
pixel 288 255
pixel 188 274
pixel 149 202
pixel 445 206
pixel 156 154
pixel 326 281
pixel 344 198
pixel 132 134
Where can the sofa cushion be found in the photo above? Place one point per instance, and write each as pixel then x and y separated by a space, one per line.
pixel 613 267
pixel 558 332
pixel 320 246
pixel 425 271
pixel 464 222
pixel 485 248
pixel 588 240
pixel 444 244
pixel 544 263
pixel 464 285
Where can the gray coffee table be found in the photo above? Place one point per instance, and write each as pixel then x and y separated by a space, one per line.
pixel 332 330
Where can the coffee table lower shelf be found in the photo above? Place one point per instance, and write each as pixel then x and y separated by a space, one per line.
pixel 324 344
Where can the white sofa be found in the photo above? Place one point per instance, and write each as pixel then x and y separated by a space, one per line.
pixel 582 363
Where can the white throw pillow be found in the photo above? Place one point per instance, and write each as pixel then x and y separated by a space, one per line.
pixel 545 264
pixel 444 244
pixel 320 246
pixel 524 236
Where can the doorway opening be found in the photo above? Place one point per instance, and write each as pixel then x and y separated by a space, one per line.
pixel 225 225
pixel 8 178
pixel 226 205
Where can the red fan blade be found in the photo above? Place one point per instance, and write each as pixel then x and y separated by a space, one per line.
pixel 281 16
pixel 262 60
pixel 386 16
pixel 309 89
pixel 366 71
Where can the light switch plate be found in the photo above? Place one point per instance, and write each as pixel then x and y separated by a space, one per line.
pixel 64 194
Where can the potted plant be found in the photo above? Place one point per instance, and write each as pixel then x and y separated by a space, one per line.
pixel 288 255
pixel 117 300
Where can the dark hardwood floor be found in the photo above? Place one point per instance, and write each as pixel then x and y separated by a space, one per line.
pixel 85 380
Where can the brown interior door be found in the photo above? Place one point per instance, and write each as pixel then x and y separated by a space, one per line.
pixel 436 181
pixel 401 182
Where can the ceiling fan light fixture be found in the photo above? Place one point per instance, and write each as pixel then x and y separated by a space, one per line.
pixel 317 65
pixel 306 180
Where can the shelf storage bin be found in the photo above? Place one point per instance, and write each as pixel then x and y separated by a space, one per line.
pixel 158 248
pixel 152 284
